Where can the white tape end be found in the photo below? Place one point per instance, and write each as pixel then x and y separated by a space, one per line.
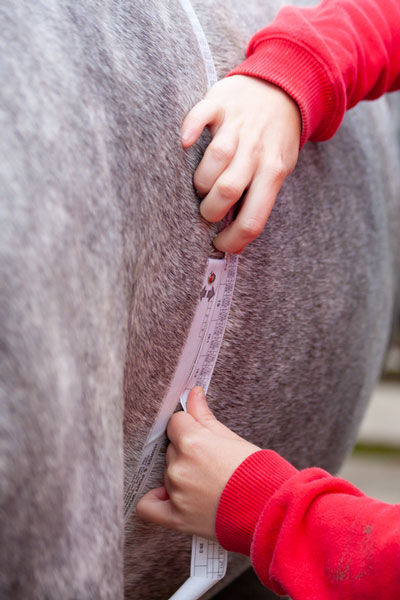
pixel 183 399
pixel 194 588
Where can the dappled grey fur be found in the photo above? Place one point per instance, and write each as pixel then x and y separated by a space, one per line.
pixel 102 254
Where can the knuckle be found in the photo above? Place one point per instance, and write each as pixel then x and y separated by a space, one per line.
pixel 141 509
pixel 222 152
pixel 278 169
pixel 208 418
pixel 257 148
pixel 229 190
pixel 250 228
pixel 188 444
pixel 175 474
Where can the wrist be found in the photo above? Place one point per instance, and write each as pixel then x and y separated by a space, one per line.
pixel 304 78
pixel 244 497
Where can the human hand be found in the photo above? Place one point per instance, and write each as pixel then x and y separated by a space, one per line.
pixel 256 130
pixel 201 457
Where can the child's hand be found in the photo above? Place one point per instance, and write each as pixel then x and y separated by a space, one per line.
pixel 256 129
pixel 201 457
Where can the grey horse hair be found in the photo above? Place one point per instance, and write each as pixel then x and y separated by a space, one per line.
pixel 102 255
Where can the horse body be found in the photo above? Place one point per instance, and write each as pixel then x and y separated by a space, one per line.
pixel 102 260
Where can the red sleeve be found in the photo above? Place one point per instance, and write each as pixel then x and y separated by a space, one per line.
pixel 328 58
pixel 310 535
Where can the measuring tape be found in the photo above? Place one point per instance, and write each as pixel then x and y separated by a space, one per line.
pixel 195 367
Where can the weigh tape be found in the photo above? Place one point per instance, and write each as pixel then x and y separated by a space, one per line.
pixel 195 367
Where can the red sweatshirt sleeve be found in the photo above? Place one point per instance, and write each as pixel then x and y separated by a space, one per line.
pixel 328 58
pixel 309 534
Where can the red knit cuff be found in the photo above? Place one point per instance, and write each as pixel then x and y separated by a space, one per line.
pixel 245 495
pixel 305 78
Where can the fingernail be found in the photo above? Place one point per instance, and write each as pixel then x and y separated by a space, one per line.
pixel 199 392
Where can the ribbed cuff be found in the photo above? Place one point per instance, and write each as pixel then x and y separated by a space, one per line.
pixel 305 78
pixel 252 484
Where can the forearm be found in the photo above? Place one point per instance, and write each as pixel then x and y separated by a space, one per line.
pixel 329 57
pixel 310 535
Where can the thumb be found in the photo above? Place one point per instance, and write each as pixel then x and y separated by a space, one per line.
pixel 198 408
pixel 156 507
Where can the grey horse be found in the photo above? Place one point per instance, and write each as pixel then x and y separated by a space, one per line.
pixel 102 255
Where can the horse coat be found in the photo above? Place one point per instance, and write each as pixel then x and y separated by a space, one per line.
pixel 102 255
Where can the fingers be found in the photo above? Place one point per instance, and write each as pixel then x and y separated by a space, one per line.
pixel 230 185
pixel 180 424
pixel 202 114
pixel 185 429
pixel 256 129
pixel 254 212
pixel 156 507
pixel 201 457
pixel 217 157
pixel 198 408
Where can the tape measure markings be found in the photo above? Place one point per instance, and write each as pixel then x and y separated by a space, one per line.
pixel 195 365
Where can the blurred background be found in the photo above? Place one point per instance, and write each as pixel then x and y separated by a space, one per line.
pixel 374 465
